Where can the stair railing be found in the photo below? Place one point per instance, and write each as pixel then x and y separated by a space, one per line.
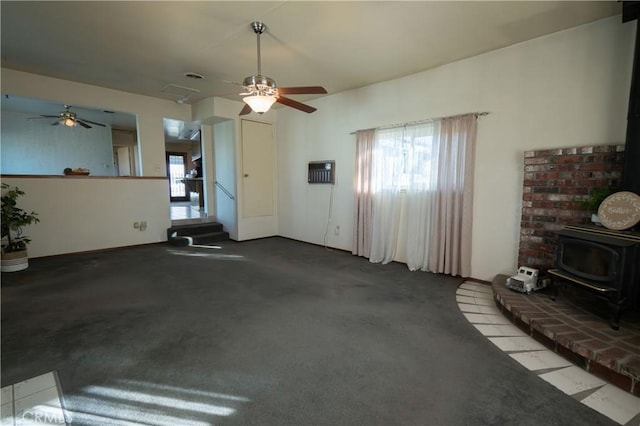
pixel 225 190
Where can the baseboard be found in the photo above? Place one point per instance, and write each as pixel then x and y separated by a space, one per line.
pixel 103 250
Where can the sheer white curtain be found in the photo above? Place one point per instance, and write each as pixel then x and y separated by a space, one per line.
pixel 421 195
pixel 430 166
pixel 387 171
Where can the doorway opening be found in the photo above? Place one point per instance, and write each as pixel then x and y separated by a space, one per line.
pixel 185 189
pixel 183 148
pixel 177 170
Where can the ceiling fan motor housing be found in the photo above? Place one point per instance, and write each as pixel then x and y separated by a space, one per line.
pixel 258 27
pixel 260 85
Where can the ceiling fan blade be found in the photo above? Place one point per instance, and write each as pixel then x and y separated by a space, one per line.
pixel 92 122
pixel 83 124
pixel 295 104
pixel 245 110
pixel 302 90
pixel 55 123
pixel 43 116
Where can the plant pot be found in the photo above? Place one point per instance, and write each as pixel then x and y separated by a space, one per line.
pixel 14 261
pixel 595 219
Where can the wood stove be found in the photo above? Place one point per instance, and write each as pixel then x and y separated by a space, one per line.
pixel 602 261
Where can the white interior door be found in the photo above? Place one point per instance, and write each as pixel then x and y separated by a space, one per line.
pixel 258 157
pixel 124 161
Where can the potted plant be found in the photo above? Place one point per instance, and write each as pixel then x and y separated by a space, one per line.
pixel 14 244
pixel 596 197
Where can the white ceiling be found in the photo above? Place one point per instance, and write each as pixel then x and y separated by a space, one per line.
pixel 142 47
pixel 146 47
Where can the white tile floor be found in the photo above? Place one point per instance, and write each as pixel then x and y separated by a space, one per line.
pixel 499 330
pixel 540 360
pixel 614 403
pixel 618 405
pixel 35 401
pixel 185 210
pixel 516 344
pixel 572 380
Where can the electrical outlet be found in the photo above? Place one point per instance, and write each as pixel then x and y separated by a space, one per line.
pixel 136 225
pixel 336 231
pixel 143 225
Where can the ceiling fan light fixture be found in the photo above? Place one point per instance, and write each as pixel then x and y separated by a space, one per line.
pixel 262 91
pixel 259 103
pixel 69 122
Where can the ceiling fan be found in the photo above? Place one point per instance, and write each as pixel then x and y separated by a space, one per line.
pixel 69 119
pixel 261 91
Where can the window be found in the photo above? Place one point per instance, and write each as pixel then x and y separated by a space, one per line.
pixel 405 158
pixel 432 163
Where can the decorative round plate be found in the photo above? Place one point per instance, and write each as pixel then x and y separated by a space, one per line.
pixel 620 210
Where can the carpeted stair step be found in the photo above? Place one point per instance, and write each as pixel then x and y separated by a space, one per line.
pixel 194 229
pixel 211 237
pixel 199 233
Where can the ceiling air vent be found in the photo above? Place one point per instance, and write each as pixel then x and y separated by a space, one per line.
pixel 179 93
pixel 194 75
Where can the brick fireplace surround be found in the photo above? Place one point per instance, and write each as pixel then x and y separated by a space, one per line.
pixel 556 182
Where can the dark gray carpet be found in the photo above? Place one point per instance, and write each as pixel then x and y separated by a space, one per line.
pixel 266 332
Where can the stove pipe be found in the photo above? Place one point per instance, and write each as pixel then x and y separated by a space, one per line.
pixel 631 171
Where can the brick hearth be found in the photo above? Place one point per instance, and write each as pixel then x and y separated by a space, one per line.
pixel 577 333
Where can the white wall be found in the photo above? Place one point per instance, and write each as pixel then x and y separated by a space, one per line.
pixel 225 174
pixel 35 147
pixel 83 214
pixel 208 158
pixel 566 89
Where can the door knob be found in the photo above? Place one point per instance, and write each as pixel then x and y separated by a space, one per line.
pixel 246 175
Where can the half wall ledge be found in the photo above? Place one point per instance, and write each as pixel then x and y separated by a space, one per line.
pixel 577 334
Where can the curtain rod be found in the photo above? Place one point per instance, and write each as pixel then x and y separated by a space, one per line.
pixel 427 120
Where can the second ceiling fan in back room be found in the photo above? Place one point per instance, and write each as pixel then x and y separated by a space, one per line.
pixel 261 91
pixel 70 119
